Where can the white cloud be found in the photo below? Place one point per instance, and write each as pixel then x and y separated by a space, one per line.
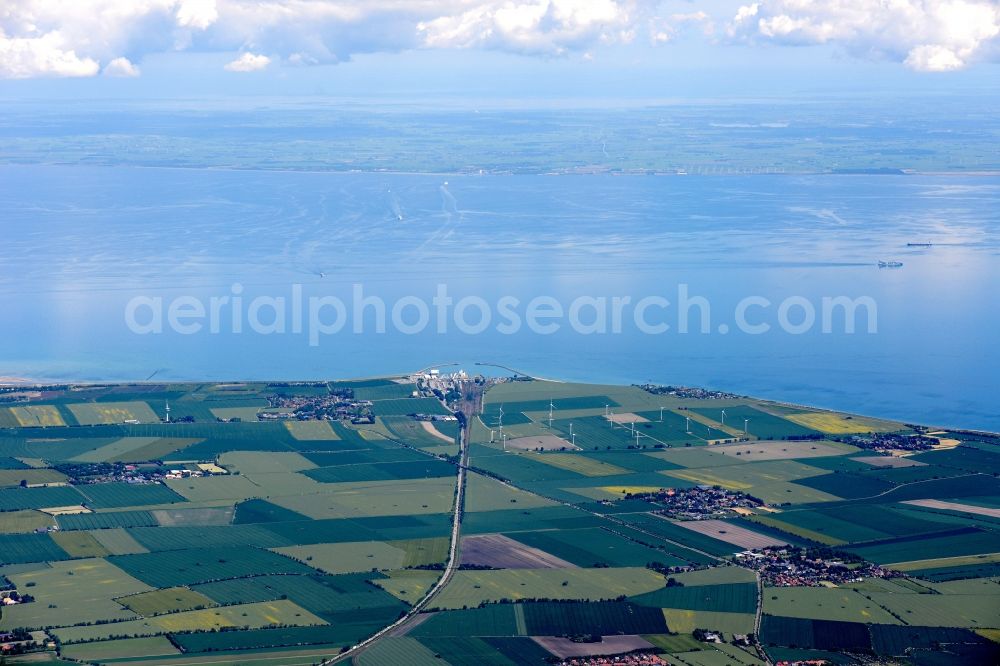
pixel 44 55
pixel 665 29
pixel 248 62
pixel 531 26
pixel 198 14
pixel 84 37
pixel 122 67
pixel 46 37
pixel 926 35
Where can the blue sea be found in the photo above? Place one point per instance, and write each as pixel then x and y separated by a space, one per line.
pixel 79 244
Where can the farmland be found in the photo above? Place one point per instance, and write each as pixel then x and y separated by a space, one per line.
pixel 281 542
pixel 253 616
pixel 471 588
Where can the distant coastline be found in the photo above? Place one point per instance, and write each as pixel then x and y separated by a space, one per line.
pixel 585 170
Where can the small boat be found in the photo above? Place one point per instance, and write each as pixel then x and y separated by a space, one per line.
pixel 890 264
pixel 919 244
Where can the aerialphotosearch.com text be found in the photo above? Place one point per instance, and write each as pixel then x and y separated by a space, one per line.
pixel 319 316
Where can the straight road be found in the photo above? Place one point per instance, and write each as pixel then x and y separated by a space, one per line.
pixel 469 407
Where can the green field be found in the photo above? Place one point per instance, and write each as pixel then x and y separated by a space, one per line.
pixel 71 592
pixel 960 542
pixel 824 603
pixel 485 494
pixel 401 650
pixel 774 482
pixel 594 547
pixel 384 392
pixel 113 412
pixel 375 498
pixel 682 620
pixel 581 464
pixel 471 588
pixel 311 431
pixel 490 620
pixel 14 522
pixel 153 646
pixel 183 567
pixel 203 489
pixel 180 538
pixel 423 469
pixel 406 406
pixel 815 634
pixel 760 424
pixel 321 532
pixel 13 499
pixel 421 434
pixel 346 633
pixel 168 600
pixel 30 477
pixel 37 415
pixel 350 557
pixel 118 542
pixel 20 548
pixel 118 495
pixel 79 544
pixel 680 535
pixel 261 511
pixel 263 614
pixel 609 617
pixel 108 520
pixel 725 598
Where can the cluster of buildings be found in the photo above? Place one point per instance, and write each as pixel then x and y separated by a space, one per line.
pixel 12 598
pixel 699 503
pixel 336 406
pixel 449 387
pixel 435 379
pixel 19 641
pixel 787 566
pixel 112 472
pixel 274 416
pixel 688 392
pixel 891 442
pixel 183 474
pixel 636 659
pixel 199 469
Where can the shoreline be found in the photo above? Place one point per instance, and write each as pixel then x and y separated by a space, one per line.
pixel 8 382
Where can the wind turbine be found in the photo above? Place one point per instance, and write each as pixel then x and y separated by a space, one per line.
pixel 637 433
pixel 723 417
pixel 572 436
pixel 550 413
pixel 745 422
pixel 688 425
pixel 500 421
pixel 168 411
pixel 661 414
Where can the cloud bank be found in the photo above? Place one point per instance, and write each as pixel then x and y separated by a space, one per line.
pixel 248 62
pixel 926 35
pixel 89 37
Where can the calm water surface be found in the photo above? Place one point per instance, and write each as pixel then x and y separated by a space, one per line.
pixel 78 243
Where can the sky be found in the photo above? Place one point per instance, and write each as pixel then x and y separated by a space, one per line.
pixel 536 49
